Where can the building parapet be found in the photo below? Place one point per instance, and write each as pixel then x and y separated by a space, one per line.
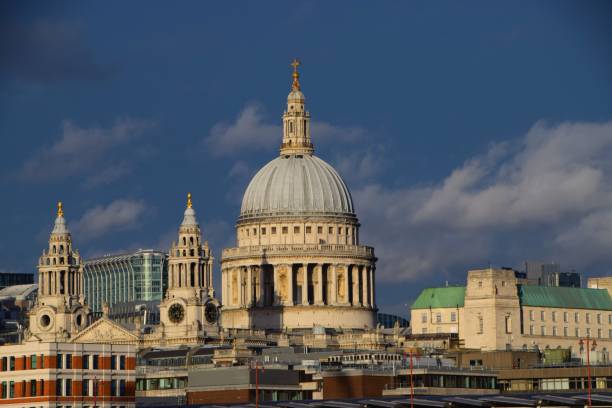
pixel 302 249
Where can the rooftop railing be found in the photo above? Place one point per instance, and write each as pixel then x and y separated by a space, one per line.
pixel 282 249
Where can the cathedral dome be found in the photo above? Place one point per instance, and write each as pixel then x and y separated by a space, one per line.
pixel 296 185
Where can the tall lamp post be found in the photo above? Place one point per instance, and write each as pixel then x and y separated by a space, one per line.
pixel 590 348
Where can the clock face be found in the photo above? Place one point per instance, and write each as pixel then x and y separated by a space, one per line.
pixel 176 313
pixel 211 313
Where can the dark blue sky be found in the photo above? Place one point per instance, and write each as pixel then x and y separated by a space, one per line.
pixel 469 133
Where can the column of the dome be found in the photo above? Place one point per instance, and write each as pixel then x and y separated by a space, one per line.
pixel 365 286
pixel 319 287
pixel 305 284
pixel 372 288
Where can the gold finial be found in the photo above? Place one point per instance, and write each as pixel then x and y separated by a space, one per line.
pixel 189 204
pixel 60 209
pixel 296 75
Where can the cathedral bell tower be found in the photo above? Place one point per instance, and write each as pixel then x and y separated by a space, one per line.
pixel 59 312
pixel 189 305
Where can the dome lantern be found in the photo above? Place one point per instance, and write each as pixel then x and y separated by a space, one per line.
pixel 296 120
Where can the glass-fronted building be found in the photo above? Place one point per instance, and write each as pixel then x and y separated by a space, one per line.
pixel 139 276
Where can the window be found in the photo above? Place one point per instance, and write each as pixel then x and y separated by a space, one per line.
pixel 33 361
pixel 588 318
pixel 588 332
pixel 95 361
pixel 254 231
pixel 121 387
pixel 68 361
pixel 554 330
pixel 480 284
pixel 86 361
pixel 285 230
pixel 33 388
pixel 12 389
pixel 59 387
pixel 599 333
pixel 565 332
pixel 576 317
pixel 543 330
pixel 296 230
pixel 554 316
pixel 308 230
pixel 113 362
pixel 11 363
pixel 438 317
pixel 319 230
pixel 480 325
pixel 423 317
pixel 263 231
pixel 542 315
pixel 565 317
pixel 577 332
pixel 531 330
pixel 273 230
pixel 453 316
pixel 85 390
pixel 68 387
pixel 531 315
pixel 4 364
pixel 339 230
pixel 330 230
pixel 60 361
pixel 114 388
pixel 122 362
pixel 4 389
pixel 598 318
pixel 508 324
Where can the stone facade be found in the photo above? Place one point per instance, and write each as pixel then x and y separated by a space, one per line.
pixel 497 314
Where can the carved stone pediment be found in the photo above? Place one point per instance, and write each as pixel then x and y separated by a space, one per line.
pixel 106 331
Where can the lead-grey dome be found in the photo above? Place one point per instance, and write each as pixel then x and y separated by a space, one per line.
pixel 297 185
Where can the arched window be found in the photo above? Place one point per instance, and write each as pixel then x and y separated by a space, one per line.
pixel 184 253
pixel 290 127
pixel 192 275
pixel 61 249
pixel 184 241
pixel 191 240
pixel 54 249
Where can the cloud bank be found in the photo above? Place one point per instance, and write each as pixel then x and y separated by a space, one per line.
pixel 121 214
pixel 85 152
pixel 548 196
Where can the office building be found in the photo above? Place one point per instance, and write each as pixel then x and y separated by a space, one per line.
pixel 12 279
pixel 137 276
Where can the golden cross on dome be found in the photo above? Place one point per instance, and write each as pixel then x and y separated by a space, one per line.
pixel 60 209
pixel 295 64
pixel 189 204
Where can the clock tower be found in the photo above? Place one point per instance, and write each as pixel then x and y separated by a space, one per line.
pixel 189 309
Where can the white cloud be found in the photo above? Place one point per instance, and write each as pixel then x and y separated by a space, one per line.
pixel 250 132
pixel 81 150
pixel 549 196
pixel 120 214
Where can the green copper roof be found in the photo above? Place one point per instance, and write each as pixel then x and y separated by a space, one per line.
pixel 449 296
pixel 562 297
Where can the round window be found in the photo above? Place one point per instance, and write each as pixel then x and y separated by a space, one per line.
pixel 45 320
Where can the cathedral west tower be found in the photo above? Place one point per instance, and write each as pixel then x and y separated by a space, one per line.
pixel 298 262
pixel 189 309
pixel 59 312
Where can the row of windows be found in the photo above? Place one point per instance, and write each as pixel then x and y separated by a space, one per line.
pixel 576 317
pixel 8 363
pixel 438 317
pixel 566 332
pixel 63 361
pixel 63 387
pixel 296 230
